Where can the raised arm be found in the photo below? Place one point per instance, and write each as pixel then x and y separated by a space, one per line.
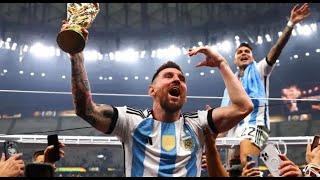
pixel 99 116
pixel 297 15
pixel 226 117
pixel 215 166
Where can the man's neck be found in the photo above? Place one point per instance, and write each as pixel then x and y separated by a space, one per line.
pixel 160 114
pixel 241 72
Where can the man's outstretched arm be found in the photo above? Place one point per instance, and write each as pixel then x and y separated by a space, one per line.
pixel 99 116
pixel 297 15
pixel 225 118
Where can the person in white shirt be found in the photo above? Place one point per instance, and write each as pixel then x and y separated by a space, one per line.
pixel 161 141
pixel 254 129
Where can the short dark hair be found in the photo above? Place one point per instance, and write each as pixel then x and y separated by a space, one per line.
pixel 38 153
pixel 244 44
pixel 166 65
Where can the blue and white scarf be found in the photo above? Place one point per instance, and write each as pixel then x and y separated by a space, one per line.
pixel 252 84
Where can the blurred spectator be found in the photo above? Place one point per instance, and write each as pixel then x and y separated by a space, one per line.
pixel 45 156
pixel 292 92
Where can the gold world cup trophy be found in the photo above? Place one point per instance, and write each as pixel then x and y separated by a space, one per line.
pixel 79 15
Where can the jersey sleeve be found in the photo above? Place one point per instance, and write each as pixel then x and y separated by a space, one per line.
pixel 206 119
pixel 200 121
pixel 123 123
pixel 264 67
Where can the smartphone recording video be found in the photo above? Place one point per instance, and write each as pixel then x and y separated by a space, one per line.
pixel 53 140
pixel 254 158
pixel 10 148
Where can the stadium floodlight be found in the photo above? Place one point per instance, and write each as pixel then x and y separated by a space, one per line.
pixel 111 56
pixel 125 78
pixel 129 55
pixel 226 46
pixel 25 48
pixel 268 38
pixel 307 54
pixel 211 71
pixel 100 78
pixel 32 74
pixel 58 53
pixel 238 43
pixel 214 47
pixel 136 77
pixel 260 40
pixel 100 56
pixel 160 53
pixel 91 55
pixel 43 74
pixel 20 72
pixel 304 30
pixel 318 50
pixel 313 27
pixel 184 50
pixel 8 39
pixel 200 43
pixel 100 156
pixel 1 43
pixel 294 32
pixel 7 45
pixel 40 50
pixel 63 76
pixel 146 78
pixel 14 46
pixel 237 38
pixel 295 56
pixel 173 51
pixel 110 77
pixel 142 54
pixel 201 73
pixel 153 54
pixel 187 74
pixel 5 71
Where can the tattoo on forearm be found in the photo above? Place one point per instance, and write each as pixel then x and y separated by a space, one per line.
pixel 281 42
pixel 86 85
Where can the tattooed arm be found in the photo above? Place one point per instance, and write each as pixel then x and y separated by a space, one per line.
pixel 297 15
pixel 99 116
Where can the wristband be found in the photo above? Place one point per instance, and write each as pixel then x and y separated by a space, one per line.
pixel 290 24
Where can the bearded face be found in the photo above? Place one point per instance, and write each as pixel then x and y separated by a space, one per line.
pixel 169 90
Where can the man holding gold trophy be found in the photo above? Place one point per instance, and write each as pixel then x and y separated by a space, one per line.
pixel 161 141
pixel 79 15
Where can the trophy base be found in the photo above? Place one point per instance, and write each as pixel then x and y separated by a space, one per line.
pixel 71 41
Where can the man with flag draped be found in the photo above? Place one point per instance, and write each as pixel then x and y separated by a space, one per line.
pixel 254 76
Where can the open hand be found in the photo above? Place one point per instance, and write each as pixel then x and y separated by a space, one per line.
pixel 299 13
pixel 84 31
